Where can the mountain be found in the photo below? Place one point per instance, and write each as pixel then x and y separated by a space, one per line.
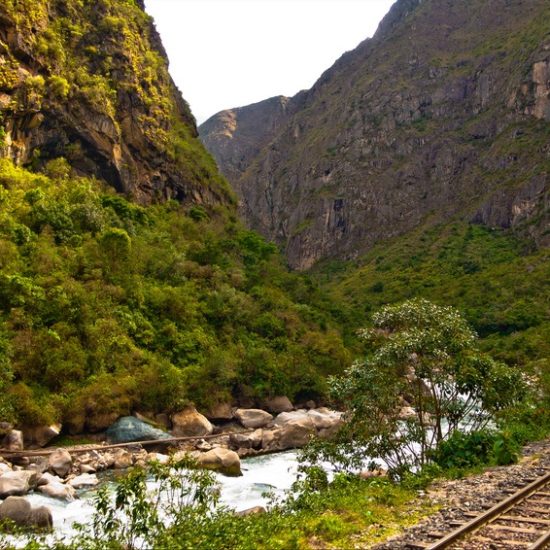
pixel 444 114
pixel 89 81
pixel 127 282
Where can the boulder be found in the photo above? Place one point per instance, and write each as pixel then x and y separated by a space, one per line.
pixel 40 436
pixel 20 511
pixel 368 474
pixel 60 462
pixel 157 457
pixel 324 418
pixel 253 418
pixel 221 460
pixel 122 459
pixel 87 469
pixel 13 441
pixel 17 483
pixel 221 412
pixel 255 510
pixel 130 428
pixel 84 480
pixel 247 440
pixel 278 404
pixel 59 490
pixel 190 422
pixel 296 433
pixel 406 412
pixel 285 417
pixel 270 439
pixel 5 467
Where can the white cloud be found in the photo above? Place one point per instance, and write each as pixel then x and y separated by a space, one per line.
pixel 228 53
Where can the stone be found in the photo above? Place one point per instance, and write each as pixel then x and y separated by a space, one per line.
pixel 270 439
pixel 13 441
pixel 189 422
pixel 284 418
pixel 122 459
pixel 368 474
pixel 84 480
pixel 253 418
pixel 278 404
pixel 87 469
pixel 296 433
pixel 59 490
pixel 221 460
pixel 40 436
pixel 158 457
pixel 5 467
pixel 17 483
pixel 247 440
pixel 130 428
pixel 221 412
pixel 325 418
pixel 255 510
pixel 60 462
pixel 406 412
pixel 20 511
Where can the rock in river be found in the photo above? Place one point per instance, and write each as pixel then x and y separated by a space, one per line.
pixel 20 511
pixel 130 428
pixel 189 422
pixel 253 418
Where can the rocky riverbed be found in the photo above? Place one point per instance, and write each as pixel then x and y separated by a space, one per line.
pixel 61 473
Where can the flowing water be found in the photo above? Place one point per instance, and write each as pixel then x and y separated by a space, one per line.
pixel 268 473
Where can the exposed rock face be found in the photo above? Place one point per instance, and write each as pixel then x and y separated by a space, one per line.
pixel 444 112
pixel 189 422
pixel 13 441
pixel 220 412
pixel 98 93
pixel 237 136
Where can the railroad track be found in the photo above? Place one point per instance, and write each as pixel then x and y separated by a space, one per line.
pixel 521 521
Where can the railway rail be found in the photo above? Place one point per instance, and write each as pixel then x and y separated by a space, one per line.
pixel 521 521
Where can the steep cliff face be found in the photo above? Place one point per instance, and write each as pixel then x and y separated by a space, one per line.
pixel 444 112
pixel 88 80
pixel 236 136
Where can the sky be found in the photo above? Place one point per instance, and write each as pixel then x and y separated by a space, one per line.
pixel 230 53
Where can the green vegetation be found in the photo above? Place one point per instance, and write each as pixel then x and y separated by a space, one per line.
pixel 101 59
pixel 422 381
pixel 321 515
pixel 107 306
pixel 496 281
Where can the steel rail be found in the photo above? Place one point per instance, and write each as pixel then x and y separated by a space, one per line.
pixel 493 513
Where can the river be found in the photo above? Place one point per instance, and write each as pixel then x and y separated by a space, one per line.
pixel 274 472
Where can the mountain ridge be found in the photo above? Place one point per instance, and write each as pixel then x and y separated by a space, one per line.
pixel 444 112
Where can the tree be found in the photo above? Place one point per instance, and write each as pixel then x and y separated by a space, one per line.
pixel 422 380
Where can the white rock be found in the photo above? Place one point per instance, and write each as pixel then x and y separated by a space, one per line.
pixel 253 418
pixel 60 462
pixel 84 480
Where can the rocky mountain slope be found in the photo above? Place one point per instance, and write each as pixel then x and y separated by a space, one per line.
pixel 445 112
pixel 89 81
